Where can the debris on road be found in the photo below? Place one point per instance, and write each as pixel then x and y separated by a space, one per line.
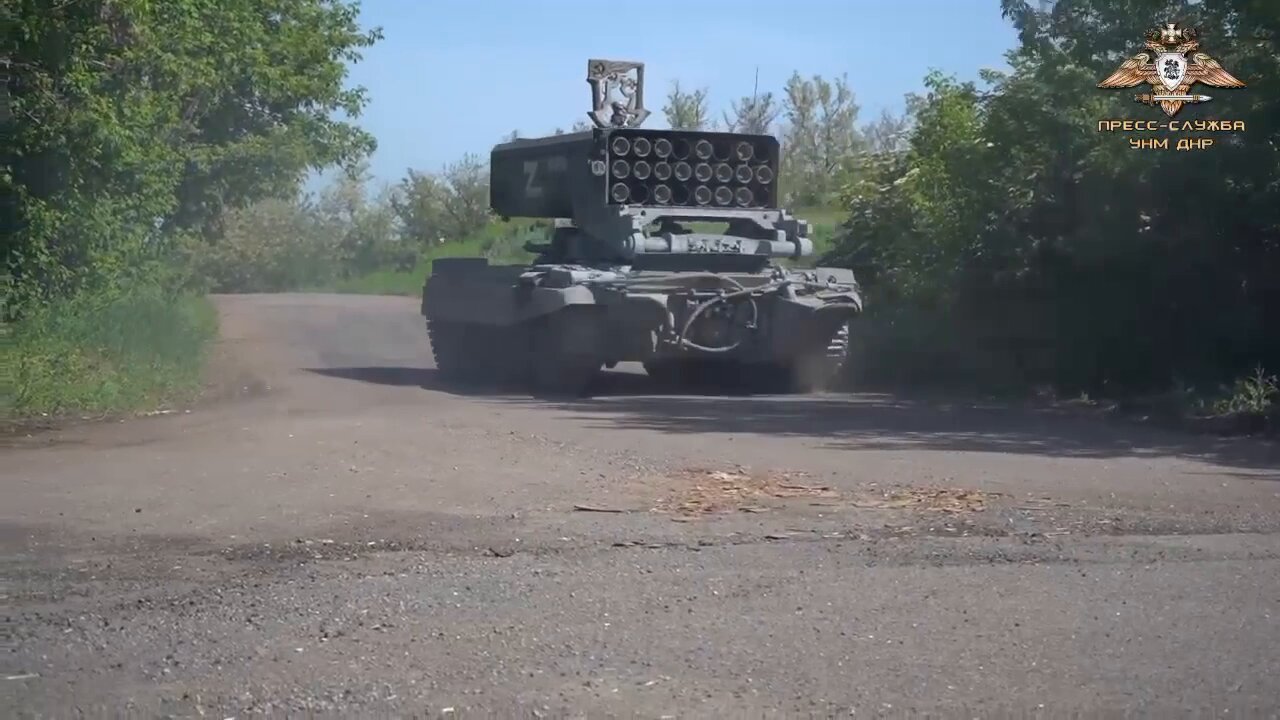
pixel 702 491
pixel 947 500
pixel 707 491
pixel 1035 504
pixel 596 509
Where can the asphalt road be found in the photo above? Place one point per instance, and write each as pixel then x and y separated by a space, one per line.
pixel 339 533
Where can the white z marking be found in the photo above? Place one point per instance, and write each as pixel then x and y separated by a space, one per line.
pixel 531 188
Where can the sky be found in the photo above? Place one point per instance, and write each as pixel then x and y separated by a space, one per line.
pixel 455 76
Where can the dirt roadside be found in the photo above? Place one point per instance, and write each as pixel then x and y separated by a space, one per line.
pixel 339 532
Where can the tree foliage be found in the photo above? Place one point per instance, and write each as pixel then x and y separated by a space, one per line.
pixel 452 204
pixel 821 134
pixel 754 114
pixel 276 244
pixel 361 225
pixel 687 110
pixel 1051 252
pixel 887 134
pixel 132 123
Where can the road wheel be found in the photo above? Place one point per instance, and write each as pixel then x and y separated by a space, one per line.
pixel 507 358
pixel 564 351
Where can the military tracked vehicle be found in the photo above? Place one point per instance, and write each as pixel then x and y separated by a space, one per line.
pixel 666 248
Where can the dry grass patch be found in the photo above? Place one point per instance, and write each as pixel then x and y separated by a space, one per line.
pixel 703 491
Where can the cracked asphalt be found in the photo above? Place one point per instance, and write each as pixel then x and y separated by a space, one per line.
pixel 336 532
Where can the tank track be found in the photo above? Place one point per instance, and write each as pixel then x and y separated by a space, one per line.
pixel 821 370
pixel 525 356
pixel 472 353
pixel 531 356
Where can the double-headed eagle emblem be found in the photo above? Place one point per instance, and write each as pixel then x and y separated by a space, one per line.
pixel 1171 64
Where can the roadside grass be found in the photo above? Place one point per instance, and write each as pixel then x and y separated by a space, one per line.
pixel 101 354
pixel 383 282
pixel 1250 405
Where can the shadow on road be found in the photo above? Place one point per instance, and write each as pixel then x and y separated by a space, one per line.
pixel 606 385
pixel 393 376
pixel 860 422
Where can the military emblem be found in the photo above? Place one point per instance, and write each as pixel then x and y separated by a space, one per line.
pixel 1171 64
pixel 627 79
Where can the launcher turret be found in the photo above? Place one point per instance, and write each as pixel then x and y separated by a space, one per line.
pixel 613 181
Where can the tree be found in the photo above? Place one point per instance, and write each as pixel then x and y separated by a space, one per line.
pixel 132 122
pixel 1013 240
pixel 821 133
pixel 363 229
pixel 888 133
pixel 752 114
pixel 273 245
pixel 450 205
pixel 686 110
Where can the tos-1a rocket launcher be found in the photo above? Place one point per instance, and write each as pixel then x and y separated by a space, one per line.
pixel 665 251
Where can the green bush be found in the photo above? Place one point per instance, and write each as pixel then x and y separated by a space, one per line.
pixel 136 348
pixel 1257 394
